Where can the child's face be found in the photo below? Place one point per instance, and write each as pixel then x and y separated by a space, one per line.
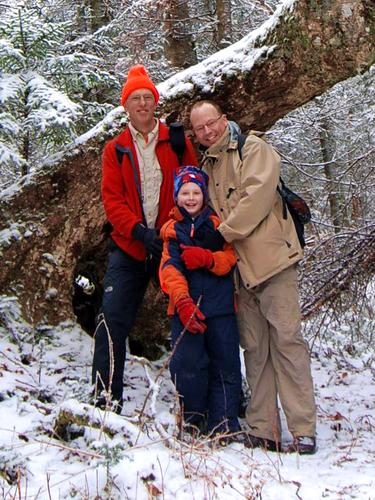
pixel 190 197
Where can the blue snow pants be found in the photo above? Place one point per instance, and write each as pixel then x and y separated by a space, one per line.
pixel 206 371
pixel 125 284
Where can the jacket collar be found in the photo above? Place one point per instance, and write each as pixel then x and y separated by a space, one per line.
pixel 180 214
pixel 125 137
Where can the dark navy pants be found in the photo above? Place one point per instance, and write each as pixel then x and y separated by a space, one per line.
pixel 207 374
pixel 125 284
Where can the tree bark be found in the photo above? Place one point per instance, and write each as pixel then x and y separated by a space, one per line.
pixel 330 172
pixel 223 34
pixel 52 221
pixel 179 46
pixel 96 14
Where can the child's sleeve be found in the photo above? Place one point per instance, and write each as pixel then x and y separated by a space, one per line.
pixel 172 279
pixel 224 260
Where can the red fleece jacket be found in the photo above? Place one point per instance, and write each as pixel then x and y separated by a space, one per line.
pixel 120 196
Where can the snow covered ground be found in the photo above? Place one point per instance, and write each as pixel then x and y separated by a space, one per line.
pixel 44 376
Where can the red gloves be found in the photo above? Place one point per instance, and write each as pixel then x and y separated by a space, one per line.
pixel 196 257
pixel 190 315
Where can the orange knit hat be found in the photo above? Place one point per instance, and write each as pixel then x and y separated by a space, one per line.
pixel 138 79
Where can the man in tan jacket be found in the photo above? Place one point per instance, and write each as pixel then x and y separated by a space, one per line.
pixel 242 191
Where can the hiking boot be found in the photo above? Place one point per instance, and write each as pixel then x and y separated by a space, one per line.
pixel 220 440
pixel 106 404
pixel 251 441
pixel 224 438
pixel 189 433
pixel 304 445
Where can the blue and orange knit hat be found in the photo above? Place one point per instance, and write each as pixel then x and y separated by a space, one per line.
pixel 188 173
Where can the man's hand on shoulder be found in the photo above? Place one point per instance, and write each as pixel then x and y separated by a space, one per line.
pixel 213 241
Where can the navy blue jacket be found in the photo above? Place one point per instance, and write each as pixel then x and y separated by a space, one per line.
pixel 215 285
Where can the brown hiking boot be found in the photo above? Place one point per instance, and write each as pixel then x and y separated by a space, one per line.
pixel 304 445
pixel 251 441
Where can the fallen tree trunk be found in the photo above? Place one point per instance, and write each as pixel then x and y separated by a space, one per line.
pixel 302 51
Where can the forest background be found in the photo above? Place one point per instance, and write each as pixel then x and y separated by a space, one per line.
pixel 62 66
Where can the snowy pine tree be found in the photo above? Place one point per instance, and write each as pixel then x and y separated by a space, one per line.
pixel 49 89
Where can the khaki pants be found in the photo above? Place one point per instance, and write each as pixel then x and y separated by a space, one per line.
pixel 276 357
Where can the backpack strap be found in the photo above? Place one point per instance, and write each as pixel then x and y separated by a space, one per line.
pixel 177 139
pixel 240 144
pixel 280 191
pixel 120 152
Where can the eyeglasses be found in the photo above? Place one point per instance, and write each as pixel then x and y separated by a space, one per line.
pixel 209 124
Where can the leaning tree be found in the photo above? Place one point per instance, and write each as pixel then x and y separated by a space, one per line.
pixel 51 222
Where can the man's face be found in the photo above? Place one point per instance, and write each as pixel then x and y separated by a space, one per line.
pixel 207 123
pixel 141 106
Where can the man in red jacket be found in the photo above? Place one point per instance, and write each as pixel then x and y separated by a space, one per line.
pixel 137 196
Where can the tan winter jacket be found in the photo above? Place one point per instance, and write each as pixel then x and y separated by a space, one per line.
pixel 243 194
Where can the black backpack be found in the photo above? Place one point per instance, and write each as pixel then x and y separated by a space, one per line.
pixel 292 202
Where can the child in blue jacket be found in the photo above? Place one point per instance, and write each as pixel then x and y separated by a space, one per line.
pixel 205 365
